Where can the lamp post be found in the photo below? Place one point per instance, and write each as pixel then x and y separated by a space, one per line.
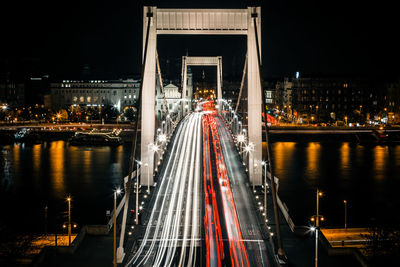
pixel 248 149
pixel 264 163
pixel 345 214
pixel 118 191
pixel 315 229
pixel 148 178
pixel 138 163
pixel 154 149
pixel 69 220
pixel 317 219
pixel 241 140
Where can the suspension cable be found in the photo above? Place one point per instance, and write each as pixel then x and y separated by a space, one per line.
pixel 241 85
pixel 161 83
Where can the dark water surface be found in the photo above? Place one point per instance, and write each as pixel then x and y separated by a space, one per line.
pixel 33 176
pixel 368 177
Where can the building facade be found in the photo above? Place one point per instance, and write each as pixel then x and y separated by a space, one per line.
pixel 312 99
pixel 94 93
pixel 12 93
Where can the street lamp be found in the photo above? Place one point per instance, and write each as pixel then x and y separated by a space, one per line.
pixel 248 148
pixel 69 220
pixel 345 214
pixel 264 163
pixel 315 229
pixel 118 191
pixel 154 149
pixel 162 138
pixel 317 218
pixel 138 163
pixel 148 177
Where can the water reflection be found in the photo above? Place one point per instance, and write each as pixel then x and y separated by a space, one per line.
pixel 36 159
pixel 283 152
pixel 16 155
pixel 313 155
pixel 57 167
pixel 380 154
pixel 6 168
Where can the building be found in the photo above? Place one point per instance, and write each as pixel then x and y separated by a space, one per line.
pixel 312 99
pixel 94 93
pixel 172 98
pixel 12 92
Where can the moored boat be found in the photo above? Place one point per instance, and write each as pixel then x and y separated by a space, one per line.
pixel 95 139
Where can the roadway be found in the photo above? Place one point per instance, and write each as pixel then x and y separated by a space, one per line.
pixel 173 232
pixel 202 179
pixel 245 208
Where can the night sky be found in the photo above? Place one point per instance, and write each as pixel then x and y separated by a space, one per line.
pixel 317 37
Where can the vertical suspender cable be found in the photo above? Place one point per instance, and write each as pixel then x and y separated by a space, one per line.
pixel 161 83
pixel 128 185
pixel 241 84
pixel 281 253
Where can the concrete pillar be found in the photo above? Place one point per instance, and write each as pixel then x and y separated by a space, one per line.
pixel 148 99
pixel 254 98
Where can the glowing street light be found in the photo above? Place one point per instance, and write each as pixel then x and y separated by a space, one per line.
pixel 118 191
pixel 240 138
pixel 162 138
pixel 69 220
pixel 317 218
pixel 264 163
pixel 138 163
pixel 345 214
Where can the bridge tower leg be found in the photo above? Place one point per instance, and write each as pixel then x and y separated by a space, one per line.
pixel 185 93
pixel 219 79
pixel 254 98
pixel 148 100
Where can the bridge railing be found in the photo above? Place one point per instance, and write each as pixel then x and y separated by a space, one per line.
pixel 282 206
pixel 120 204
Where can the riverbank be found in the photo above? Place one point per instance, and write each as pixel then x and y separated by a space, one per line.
pixel 362 135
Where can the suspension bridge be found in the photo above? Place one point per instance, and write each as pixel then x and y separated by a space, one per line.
pixel 200 162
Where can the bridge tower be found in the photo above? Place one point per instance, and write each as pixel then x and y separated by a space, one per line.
pixel 207 22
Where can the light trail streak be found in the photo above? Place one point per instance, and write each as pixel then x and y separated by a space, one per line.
pixel 213 235
pixel 238 253
pixel 246 216
pixel 166 241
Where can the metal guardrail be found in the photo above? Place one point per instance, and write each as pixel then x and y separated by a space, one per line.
pixel 120 204
pixel 284 209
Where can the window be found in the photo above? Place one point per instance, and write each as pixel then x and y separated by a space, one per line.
pixel 81 99
pixel 268 100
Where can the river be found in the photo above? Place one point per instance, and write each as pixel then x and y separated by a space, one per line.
pixel 33 176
